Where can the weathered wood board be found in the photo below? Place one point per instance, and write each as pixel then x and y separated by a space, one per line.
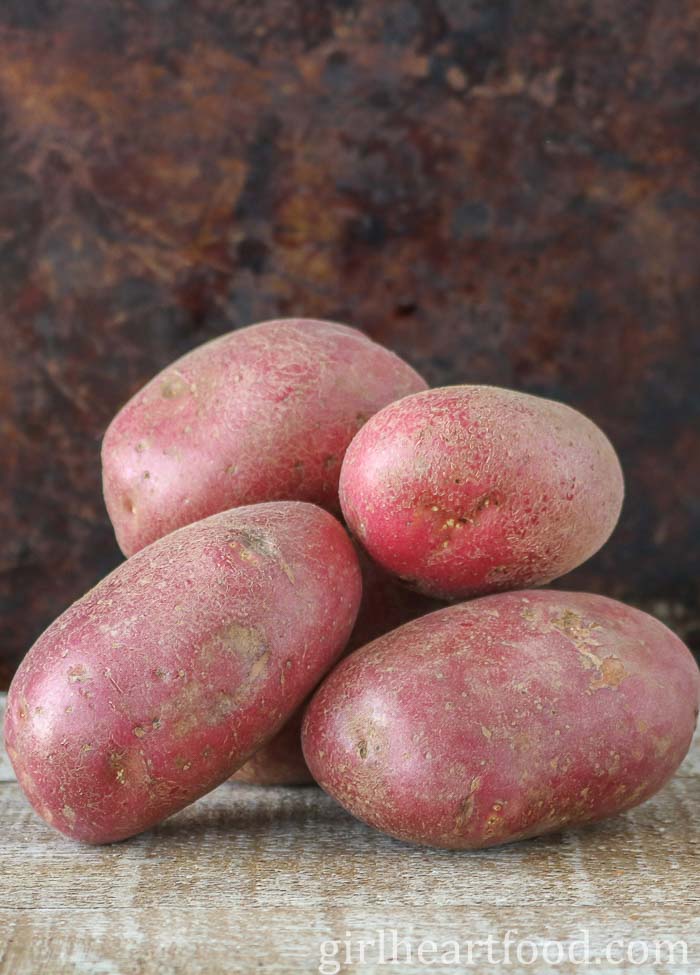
pixel 260 880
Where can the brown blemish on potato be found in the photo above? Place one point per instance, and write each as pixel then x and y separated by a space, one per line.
pixel 244 553
pixel 189 710
pixel 259 667
pixel 69 814
pixel 661 746
pixel 451 524
pixel 491 499
pixel 173 387
pixel 194 705
pixel 571 625
pixel 368 735
pixel 242 640
pixel 469 517
pixel 466 808
pixel 259 542
pixel 256 541
pixel 636 794
pixel 85 749
pixel 78 675
pixel 612 673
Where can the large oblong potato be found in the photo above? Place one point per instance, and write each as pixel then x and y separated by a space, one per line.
pixel 466 490
pixel 264 413
pixel 162 680
pixel 502 718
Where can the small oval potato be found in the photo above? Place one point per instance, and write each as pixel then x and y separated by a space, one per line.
pixel 262 414
pixel 503 718
pixel 385 605
pixel 471 489
pixel 154 687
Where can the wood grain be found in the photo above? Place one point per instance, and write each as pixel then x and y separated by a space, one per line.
pixel 256 879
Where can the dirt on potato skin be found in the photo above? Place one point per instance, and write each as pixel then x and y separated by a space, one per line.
pixel 506 717
pixel 161 681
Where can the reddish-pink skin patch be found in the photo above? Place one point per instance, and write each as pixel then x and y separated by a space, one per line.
pixel 471 489
pixel 503 718
pixel 385 605
pixel 261 414
pixel 161 681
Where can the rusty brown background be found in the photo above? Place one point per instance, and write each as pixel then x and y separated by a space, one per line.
pixel 504 192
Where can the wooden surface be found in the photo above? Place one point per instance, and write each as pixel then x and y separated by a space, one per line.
pixel 253 880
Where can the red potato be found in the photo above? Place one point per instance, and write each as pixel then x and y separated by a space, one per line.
pixel 385 605
pixel 261 414
pixel 471 489
pixel 159 683
pixel 503 718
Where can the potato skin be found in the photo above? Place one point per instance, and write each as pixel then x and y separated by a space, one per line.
pixel 385 605
pixel 510 716
pixel 467 490
pixel 155 686
pixel 264 413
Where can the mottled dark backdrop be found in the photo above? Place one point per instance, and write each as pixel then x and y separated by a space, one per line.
pixel 504 192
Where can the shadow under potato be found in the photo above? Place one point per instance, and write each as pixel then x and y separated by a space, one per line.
pixel 250 814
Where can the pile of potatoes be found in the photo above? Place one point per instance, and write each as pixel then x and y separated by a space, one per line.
pixel 508 713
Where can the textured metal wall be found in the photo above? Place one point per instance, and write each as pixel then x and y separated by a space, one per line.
pixel 504 192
